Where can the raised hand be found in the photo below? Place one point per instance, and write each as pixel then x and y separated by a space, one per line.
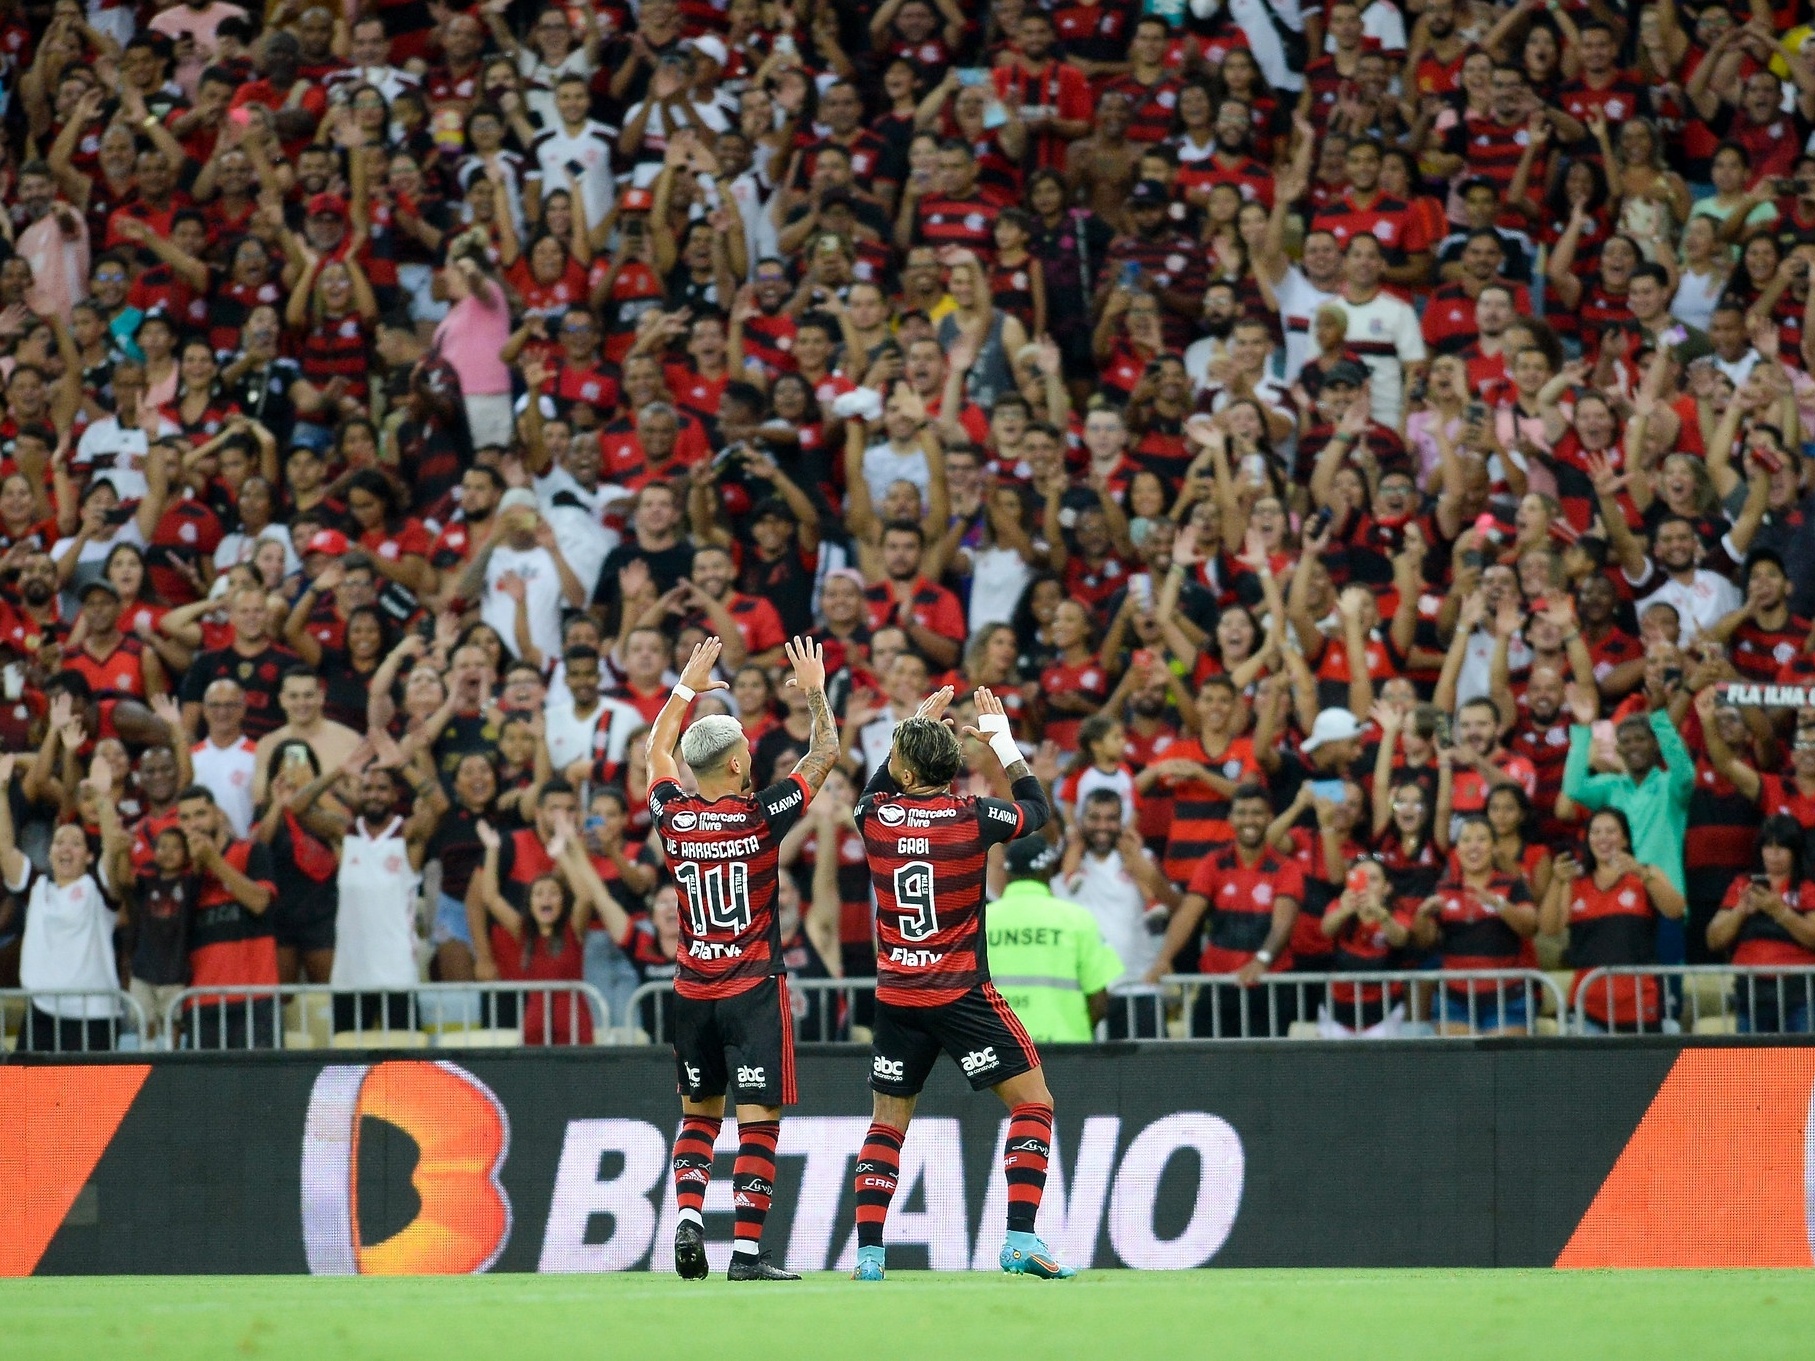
pixel 384 747
pixel 100 777
pixel 488 835
pixel 359 758
pixel 634 581
pixel 1583 702
pixel 808 659
pixel 1705 702
pixel 1472 611
pixel 169 713
pixel 697 674
pixel 991 716
pixel 935 704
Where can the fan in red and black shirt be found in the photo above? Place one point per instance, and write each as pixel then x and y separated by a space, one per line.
pixel 757 624
pixel 1171 264
pixel 1479 918
pixel 467 529
pixel 1152 93
pixel 114 665
pixel 1762 636
pixel 1540 735
pixel 1052 92
pixel 1602 88
pixel 230 939
pixel 251 661
pixel 1252 894
pixel 1769 923
pixel 1609 905
pixel 929 614
pixel 659 444
pixel 1364 209
pixel 1367 929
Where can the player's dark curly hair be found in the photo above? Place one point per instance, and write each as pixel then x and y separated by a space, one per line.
pixel 929 749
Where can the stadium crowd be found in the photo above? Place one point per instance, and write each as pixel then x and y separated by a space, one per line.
pixel 1359 442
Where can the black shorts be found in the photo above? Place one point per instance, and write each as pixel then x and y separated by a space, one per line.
pixel 978 1030
pixel 743 1045
pixel 306 923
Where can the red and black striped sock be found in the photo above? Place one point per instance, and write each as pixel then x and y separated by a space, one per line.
pixel 878 1167
pixel 1024 1163
pixel 753 1180
pixel 693 1163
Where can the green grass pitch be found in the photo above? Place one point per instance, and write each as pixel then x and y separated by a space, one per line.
pixel 916 1316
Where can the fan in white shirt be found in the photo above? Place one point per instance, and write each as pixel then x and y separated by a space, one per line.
pixel 569 494
pixel 526 578
pixel 1108 871
pixel 69 924
pixel 225 762
pixel 586 726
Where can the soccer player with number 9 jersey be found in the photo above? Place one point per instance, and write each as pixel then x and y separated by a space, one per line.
pixel 733 1024
pixel 927 848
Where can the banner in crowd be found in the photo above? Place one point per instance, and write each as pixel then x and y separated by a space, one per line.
pixel 1622 1153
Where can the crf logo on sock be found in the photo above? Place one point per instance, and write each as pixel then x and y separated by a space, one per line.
pixel 463 1136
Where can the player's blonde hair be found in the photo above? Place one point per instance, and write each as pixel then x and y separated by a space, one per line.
pixel 709 741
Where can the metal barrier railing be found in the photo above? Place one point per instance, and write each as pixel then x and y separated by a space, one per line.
pixel 1454 1001
pixel 67 1026
pixel 1486 1000
pixel 825 1009
pixel 1647 999
pixel 446 1015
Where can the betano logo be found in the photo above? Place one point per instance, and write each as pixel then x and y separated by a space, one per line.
pixel 613 1174
pixel 463 1135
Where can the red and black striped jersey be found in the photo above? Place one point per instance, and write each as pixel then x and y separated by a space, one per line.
pixel 1612 925
pixel 1151 108
pixel 927 856
pixel 1474 935
pixel 770 341
pixel 1389 220
pixel 336 347
pixel 1240 898
pixel 121 673
pixel 1759 653
pixel 969 222
pixel 723 854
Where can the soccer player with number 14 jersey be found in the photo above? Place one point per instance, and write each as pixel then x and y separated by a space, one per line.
pixel 733 1024
pixel 927 848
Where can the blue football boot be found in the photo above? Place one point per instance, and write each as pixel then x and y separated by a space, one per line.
pixel 1024 1254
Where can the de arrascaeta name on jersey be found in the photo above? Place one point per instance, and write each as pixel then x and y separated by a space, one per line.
pixel 741 848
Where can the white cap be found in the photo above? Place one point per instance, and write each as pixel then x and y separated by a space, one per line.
pixel 1332 725
pixel 710 45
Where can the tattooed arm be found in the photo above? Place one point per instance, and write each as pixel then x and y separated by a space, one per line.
pixel 810 675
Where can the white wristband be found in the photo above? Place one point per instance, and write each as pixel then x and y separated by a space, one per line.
pixel 1003 744
pixel 682 692
pixel 991 724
